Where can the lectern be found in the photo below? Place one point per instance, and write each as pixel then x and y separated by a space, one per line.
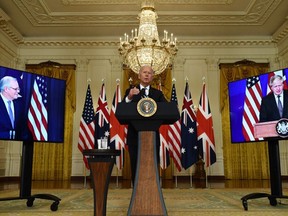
pixel 101 162
pixel 268 130
pixel 147 198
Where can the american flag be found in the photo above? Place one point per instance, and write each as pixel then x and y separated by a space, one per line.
pixel 87 126
pixel 205 129
pixel 279 72
pixel 164 147
pixel 102 117
pixel 252 103
pixel 37 113
pixel 118 132
pixel 174 136
pixel 189 142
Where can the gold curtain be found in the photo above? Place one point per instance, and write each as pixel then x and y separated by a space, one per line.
pixel 165 78
pixel 53 161
pixel 241 160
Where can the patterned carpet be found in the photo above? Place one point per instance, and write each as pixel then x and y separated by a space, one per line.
pixel 204 202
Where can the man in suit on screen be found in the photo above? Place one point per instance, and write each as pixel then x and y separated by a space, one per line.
pixel 11 109
pixel 274 105
pixel 134 94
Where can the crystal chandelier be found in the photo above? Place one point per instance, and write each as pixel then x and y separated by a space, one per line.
pixel 143 46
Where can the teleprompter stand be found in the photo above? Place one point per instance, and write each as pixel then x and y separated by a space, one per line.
pixel 147 198
pixel 26 179
pixel 267 129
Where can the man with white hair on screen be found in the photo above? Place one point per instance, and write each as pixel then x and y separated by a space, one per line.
pixel 11 109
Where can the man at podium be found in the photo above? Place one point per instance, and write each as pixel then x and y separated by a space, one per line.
pixel 273 106
pixel 134 94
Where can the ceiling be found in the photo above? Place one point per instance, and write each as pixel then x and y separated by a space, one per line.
pixel 110 19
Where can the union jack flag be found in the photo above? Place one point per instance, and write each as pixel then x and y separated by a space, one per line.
pixel 102 117
pixel 174 136
pixel 118 132
pixel 189 142
pixel 205 129
pixel 37 113
pixel 87 126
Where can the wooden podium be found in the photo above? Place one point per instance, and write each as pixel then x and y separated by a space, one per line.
pixel 101 162
pixel 147 198
pixel 267 130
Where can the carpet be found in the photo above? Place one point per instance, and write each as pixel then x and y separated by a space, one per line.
pixel 206 202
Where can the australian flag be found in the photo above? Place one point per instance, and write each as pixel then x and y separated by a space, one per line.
pixel 189 150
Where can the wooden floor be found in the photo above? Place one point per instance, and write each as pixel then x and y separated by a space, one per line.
pixel 8 184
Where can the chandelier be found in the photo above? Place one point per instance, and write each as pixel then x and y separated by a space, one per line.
pixel 143 46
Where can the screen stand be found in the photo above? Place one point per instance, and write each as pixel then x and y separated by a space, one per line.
pixel 26 180
pixel 275 178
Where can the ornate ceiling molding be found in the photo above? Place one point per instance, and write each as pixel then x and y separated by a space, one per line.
pixel 226 43
pixel 281 33
pixel 194 2
pixel 98 2
pixel 188 43
pixel 8 29
pixel 133 2
pixel 257 14
pixel 39 15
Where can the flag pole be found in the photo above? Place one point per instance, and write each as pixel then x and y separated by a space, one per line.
pixel 176 180
pixel 206 182
pixel 191 180
pixel 209 172
pixel 161 177
pixel 85 181
pixel 117 180
pixel 207 168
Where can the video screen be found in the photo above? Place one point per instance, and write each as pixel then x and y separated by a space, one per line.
pixel 248 99
pixel 32 106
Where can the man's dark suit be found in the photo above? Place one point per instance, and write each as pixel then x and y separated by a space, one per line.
pixel 6 130
pixel 132 135
pixel 269 109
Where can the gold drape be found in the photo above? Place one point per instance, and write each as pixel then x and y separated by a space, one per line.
pixel 241 161
pixel 165 78
pixel 53 161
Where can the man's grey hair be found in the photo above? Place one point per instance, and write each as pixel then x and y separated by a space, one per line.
pixel 6 82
